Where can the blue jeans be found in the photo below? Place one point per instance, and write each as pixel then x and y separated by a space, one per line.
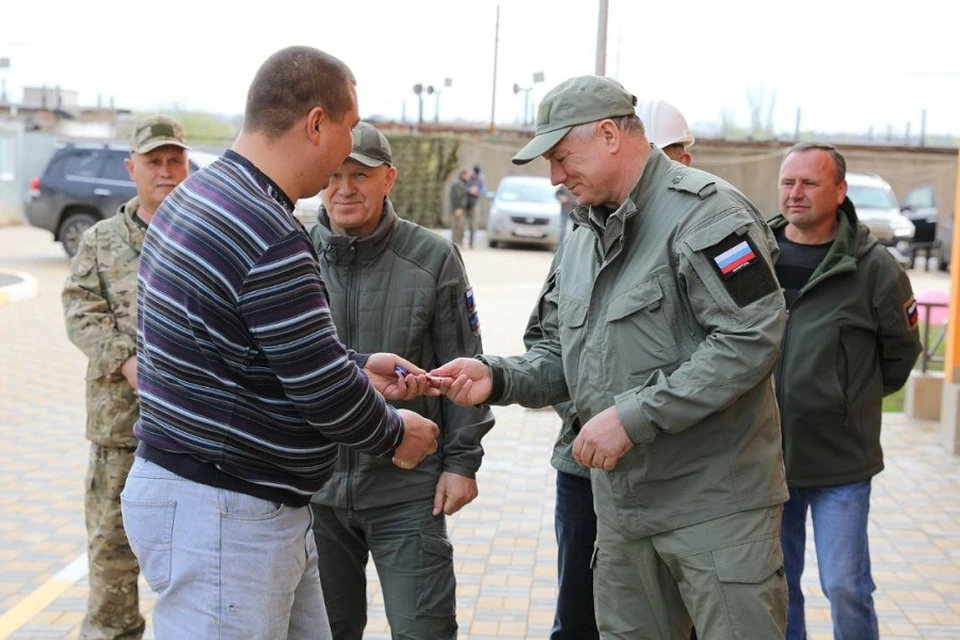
pixel 576 527
pixel 223 564
pixel 843 557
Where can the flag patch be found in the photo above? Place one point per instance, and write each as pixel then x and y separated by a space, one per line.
pixel 472 311
pixel 912 313
pixel 737 257
pixel 742 269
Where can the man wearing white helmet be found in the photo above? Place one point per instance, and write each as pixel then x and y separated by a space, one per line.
pixel 666 127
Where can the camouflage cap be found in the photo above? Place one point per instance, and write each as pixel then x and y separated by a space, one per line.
pixel 576 101
pixel 370 147
pixel 154 132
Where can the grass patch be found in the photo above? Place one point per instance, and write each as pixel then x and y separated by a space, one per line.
pixel 894 402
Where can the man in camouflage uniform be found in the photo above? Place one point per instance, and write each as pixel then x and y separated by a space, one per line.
pixel 99 302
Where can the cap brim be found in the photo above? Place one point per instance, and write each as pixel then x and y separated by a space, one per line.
pixel 156 144
pixel 540 144
pixel 366 160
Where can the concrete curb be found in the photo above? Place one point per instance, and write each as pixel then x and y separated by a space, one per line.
pixel 25 287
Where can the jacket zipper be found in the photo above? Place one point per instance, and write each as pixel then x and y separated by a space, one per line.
pixel 353 312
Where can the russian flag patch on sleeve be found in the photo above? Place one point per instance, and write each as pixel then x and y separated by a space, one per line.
pixel 741 269
pixel 738 257
pixel 911 313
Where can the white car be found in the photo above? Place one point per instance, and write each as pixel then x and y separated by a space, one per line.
pixel 525 210
pixel 878 208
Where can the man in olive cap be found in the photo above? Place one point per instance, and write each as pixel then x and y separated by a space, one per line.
pixel 575 522
pixel 662 322
pixel 394 286
pixel 100 307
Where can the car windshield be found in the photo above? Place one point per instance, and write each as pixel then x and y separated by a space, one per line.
pixel 527 192
pixel 871 197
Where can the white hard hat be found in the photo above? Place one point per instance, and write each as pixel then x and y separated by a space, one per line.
pixel 663 124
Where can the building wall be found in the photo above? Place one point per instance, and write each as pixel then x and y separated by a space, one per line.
pixel 753 167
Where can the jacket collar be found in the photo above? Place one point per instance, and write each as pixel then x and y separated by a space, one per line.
pixel 132 231
pixel 341 249
pixel 610 228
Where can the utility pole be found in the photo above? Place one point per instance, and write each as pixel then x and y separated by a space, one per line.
pixel 419 89
pixel 923 128
pixel 493 98
pixel 796 130
pixel 601 68
pixel 4 64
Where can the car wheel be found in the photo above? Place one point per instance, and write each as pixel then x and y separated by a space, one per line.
pixel 493 244
pixel 72 230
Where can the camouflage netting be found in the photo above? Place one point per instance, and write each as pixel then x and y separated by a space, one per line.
pixel 424 163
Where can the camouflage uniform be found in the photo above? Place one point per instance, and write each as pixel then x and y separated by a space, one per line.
pixel 99 301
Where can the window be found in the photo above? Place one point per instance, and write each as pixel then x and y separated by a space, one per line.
pixel 527 192
pixel 920 198
pixel 871 198
pixel 114 169
pixel 82 163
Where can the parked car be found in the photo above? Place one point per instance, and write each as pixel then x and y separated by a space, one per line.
pixel 525 210
pixel 82 184
pixel 934 237
pixel 877 208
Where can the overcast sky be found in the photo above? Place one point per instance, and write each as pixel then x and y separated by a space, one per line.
pixel 847 64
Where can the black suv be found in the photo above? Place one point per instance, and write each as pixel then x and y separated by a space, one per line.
pixel 83 184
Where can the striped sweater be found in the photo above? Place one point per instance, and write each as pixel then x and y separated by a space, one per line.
pixel 243 381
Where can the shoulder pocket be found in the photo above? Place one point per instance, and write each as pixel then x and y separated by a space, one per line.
pixel 735 260
pixel 714 233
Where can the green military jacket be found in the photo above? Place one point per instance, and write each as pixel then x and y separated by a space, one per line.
pixel 100 313
pixel 667 308
pixel 402 289
pixel 562 456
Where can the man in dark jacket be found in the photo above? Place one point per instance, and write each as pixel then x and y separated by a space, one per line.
pixel 851 339
pixel 392 282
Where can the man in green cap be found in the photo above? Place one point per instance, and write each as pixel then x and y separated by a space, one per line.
pixel 662 322
pixel 394 286
pixel 575 522
pixel 100 307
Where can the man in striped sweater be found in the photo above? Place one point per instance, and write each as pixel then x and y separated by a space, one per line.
pixel 245 388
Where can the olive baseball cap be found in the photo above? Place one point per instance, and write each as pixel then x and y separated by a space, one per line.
pixel 576 101
pixel 154 132
pixel 370 147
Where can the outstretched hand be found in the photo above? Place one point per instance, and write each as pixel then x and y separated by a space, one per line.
pixel 399 379
pixel 466 381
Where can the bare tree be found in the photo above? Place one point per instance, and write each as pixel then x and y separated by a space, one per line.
pixel 762 101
